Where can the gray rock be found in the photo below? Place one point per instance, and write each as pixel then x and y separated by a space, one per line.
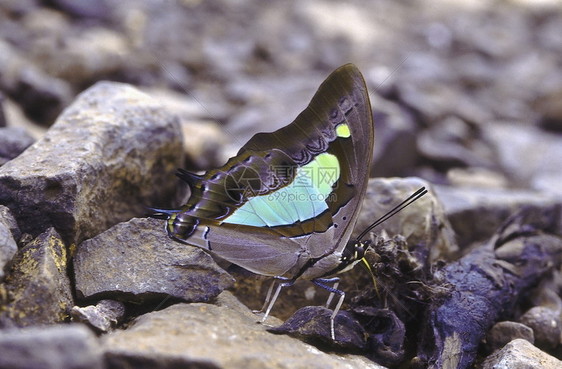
pixel 500 34
pixel 395 150
pixel 271 103
pixel 475 213
pixel 8 220
pixel 476 177
pixel 8 246
pixel 204 139
pixel 41 96
pixel 204 142
pixel 13 141
pixel 452 142
pixel 520 354
pixel 15 117
pixel 423 223
pixel 426 86
pixel 57 347
pixel 37 285
pixel 214 336
pixel 526 154
pixel 137 261
pixel 107 157
pixel 546 325
pixel 103 316
pixel 546 293
pixel 85 55
pixel 504 332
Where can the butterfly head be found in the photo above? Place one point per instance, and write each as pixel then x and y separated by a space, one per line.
pixel 353 253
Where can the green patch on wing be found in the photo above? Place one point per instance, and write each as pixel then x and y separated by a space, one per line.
pixel 303 199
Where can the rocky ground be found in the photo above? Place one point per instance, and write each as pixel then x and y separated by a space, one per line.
pixel 101 101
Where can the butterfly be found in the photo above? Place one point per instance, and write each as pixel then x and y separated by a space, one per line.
pixel 285 206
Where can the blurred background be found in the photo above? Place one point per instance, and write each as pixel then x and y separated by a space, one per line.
pixel 464 92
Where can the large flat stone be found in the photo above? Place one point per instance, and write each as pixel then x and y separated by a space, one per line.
pixel 107 157
pixel 137 261
pixel 225 335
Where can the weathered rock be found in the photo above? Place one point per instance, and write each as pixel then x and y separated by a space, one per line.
pixel 546 293
pixel 8 220
pixel 546 326
pixel 203 144
pixel 37 285
pixel 103 316
pixel 8 246
pixel 475 213
pixel 520 354
pixel 204 139
pixel 525 161
pixel 15 117
pixel 13 141
pixel 40 95
pixel 423 223
pixel 476 177
pixel 430 94
pixel 57 347
pixel 269 114
pixel 107 157
pixel 504 332
pixel 395 151
pixel 137 261
pixel 86 55
pixel 453 142
pixel 214 336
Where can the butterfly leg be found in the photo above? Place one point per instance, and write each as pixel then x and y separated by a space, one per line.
pixel 267 298
pixel 269 291
pixel 270 301
pixel 331 297
pixel 321 282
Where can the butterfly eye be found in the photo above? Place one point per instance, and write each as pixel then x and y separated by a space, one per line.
pixel 359 250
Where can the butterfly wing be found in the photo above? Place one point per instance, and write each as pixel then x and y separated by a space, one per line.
pixel 290 196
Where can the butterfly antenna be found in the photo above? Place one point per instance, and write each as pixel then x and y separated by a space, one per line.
pixel 413 197
pixel 160 213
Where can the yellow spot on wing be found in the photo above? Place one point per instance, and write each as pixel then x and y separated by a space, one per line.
pixel 343 131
